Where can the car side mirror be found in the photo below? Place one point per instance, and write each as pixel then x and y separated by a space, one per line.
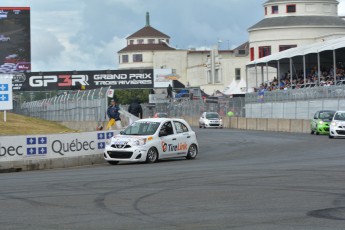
pixel 163 133
pixel 122 132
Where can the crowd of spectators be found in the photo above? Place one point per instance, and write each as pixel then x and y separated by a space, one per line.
pixel 312 79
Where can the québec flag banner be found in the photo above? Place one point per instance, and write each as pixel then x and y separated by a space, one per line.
pixel 110 93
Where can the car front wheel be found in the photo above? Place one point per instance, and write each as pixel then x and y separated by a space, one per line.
pixel 152 155
pixel 192 152
pixel 330 136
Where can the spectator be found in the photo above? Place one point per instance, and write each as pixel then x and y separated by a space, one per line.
pixel 136 109
pixel 114 115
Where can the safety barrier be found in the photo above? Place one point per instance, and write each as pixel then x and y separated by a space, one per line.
pixel 36 152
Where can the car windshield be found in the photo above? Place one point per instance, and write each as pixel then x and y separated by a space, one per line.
pixel 339 116
pixel 141 128
pixel 212 115
pixel 327 115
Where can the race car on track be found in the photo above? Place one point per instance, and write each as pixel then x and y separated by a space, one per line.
pixel 149 140
pixel 210 119
pixel 320 123
pixel 337 127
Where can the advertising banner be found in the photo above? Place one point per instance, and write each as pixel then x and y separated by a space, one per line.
pixel 53 146
pixel 75 80
pixel 162 78
pixel 15 51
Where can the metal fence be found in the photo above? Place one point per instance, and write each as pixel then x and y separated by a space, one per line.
pixel 88 105
pixel 322 92
pixel 294 103
pixel 192 108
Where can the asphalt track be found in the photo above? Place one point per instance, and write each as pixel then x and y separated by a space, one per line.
pixel 240 180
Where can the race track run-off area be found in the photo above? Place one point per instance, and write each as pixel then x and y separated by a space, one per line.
pixel 240 180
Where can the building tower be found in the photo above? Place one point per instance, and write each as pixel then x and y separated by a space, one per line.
pixel 140 45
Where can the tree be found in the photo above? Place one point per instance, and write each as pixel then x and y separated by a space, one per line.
pixel 126 96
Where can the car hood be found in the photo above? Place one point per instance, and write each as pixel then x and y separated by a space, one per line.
pixel 126 139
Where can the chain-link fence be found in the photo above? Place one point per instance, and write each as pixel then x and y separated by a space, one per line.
pixel 294 103
pixel 88 105
pixel 192 108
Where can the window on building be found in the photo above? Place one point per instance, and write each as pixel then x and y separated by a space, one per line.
pixel 265 10
pixel 137 57
pixel 125 58
pixel 252 54
pixel 291 9
pixel 151 41
pixel 140 41
pixel 286 47
pixel 209 77
pixel 217 76
pixel 264 51
pixel 131 42
pixel 237 74
pixel 275 10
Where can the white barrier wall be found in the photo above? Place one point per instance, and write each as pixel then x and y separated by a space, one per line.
pixel 54 146
pixel 292 109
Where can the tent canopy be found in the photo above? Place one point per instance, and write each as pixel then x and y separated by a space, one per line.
pixel 328 45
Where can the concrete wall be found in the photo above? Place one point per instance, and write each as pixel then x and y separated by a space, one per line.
pixel 261 124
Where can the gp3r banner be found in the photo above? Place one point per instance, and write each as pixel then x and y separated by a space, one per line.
pixel 76 80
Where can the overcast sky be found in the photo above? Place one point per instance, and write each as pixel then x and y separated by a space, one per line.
pixel 86 34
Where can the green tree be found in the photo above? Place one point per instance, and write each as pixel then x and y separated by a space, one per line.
pixel 126 96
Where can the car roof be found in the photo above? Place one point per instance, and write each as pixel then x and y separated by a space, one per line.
pixel 340 111
pixel 161 119
pixel 326 111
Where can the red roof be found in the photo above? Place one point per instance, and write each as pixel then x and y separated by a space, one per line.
pixel 146 47
pixel 148 31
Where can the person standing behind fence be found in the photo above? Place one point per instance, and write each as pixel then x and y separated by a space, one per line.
pixel 136 109
pixel 114 115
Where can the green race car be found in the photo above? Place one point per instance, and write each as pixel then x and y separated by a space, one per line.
pixel 320 123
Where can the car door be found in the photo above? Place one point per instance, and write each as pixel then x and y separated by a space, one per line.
pixel 168 138
pixel 183 138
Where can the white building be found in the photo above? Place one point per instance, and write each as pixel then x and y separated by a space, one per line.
pixel 286 24
pixel 292 23
pixel 211 70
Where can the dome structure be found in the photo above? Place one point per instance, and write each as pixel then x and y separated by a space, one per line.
pixel 292 23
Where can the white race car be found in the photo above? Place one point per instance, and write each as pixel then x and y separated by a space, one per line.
pixel 337 127
pixel 210 119
pixel 149 140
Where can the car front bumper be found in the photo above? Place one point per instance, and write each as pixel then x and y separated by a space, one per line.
pixel 133 154
pixel 337 131
pixel 323 129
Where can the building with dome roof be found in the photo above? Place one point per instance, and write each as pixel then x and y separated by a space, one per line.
pixel 292 23
pixel 286 24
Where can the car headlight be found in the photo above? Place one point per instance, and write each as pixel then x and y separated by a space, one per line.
pixel 321 122
pixel 108 142
pixel 139 142
pixel 334 123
